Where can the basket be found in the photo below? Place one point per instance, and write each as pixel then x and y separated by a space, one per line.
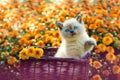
pixel 51 68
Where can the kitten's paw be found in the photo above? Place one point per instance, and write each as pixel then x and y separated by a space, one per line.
pixel 90 42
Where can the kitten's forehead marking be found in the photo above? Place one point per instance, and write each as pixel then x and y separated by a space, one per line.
pixel 70 23
pixel 70 26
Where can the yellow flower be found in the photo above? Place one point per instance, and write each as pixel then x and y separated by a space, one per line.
pixel 38 53
pixel 85 17
pixel 91 61
pixel 107 40
pixel 101 47
pixel 110 49
pixel 6 54
pixel 97 77
pixel 48 32
pixel 40 43
pixel 48 39
pixel 38 35
pixel 52 25
pixel 99 10
pixel 98 22
pixel 56 33
pixel 12 60
pixel 31 51
pixel 23 40
pixel 110 35
pixel 56 44
pixel 61 19
pixel 92 26
pixel 110 57
pixel 63 13
pixel 24 54
pixel 44 19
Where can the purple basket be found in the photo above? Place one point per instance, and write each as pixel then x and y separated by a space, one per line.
pixel 51 68
pixel 8 72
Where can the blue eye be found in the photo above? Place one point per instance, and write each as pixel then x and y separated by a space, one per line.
pixel 75 27
pixel 67 30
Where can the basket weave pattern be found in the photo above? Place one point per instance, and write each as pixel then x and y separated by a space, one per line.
pixel 51 68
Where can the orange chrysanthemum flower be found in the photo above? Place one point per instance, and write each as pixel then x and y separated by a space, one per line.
pixel 38 53
pixel 92 26
pixel 6 54
pixel 110 49
pixel 97 64
pixel 13 34
pixel 116 69
pixel 99 11
pixel 56 44
pixel 23 40
pixel 97 77
pixel 85 17
pixel 40 43
pixel 63 13
pixel 91 61
pixel 118 35
pixel 61 19
pixel 106 72
pixel 38 36
pixel 44 19
pixel 95 37
pixel 100 29
pixel 52 25
pixel 107 40
pixel 110 57
pixel 98 22
pixel 31 51
pixel 56 33
pixel 24 54
pixel 101 47
pixel 48 39
pixel 12 60
pixel 91 20
pixel 48 32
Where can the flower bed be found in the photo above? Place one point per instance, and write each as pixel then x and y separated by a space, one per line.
pixel 33 24
pixel 105 69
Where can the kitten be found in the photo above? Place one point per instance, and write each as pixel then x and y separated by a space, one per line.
pixel 75 41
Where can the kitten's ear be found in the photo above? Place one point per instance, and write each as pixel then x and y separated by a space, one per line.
pixel 79 18
pixel 60 25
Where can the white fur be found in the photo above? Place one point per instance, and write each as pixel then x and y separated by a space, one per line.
pixel 74 46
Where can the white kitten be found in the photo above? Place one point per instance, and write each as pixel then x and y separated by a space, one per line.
pixel 75 41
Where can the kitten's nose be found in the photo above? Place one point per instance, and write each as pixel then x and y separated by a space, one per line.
pixel 72 31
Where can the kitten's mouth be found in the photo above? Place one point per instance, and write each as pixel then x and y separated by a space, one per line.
pixel 72 34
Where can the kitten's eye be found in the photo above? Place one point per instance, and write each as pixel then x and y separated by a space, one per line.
pixel 67 30
pixel 75 27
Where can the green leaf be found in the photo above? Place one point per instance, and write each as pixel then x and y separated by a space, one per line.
pixel 107 0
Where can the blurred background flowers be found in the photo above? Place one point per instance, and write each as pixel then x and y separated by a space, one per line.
pixel 31 23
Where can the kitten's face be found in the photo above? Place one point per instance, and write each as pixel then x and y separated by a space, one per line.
pixel 71 28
